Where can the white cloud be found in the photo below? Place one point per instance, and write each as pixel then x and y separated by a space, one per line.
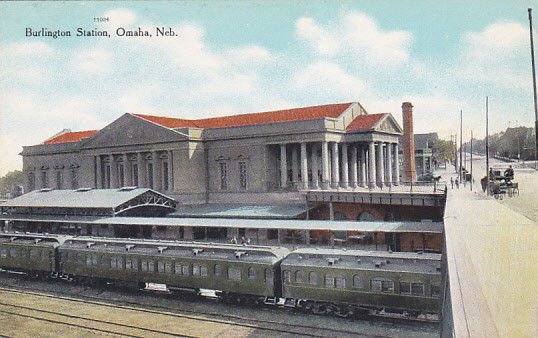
pixel 321 39
pixel 497 41
pixel 249 54
pixel 92 62
pixel 329 80
pixel 362 37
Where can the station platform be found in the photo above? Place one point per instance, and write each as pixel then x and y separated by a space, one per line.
pixel 492 256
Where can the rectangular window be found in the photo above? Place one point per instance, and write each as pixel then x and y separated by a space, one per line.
pixel 148 266
pixel 165 176
pixel 218 270
pixel 243 175
pixel 234 274
pixel 131 264
pixel 340 282
pixel 436 290
pixel 59 180
pixel 382 285
pixel 272 234
pixel 135 174
pixel 116 262
pixel 405 288
pixel 287 277
pixel 161 267
pixel 168 267
pixel 14 252
pixel 299 277
pixel 121 175
pixel 177 268
pixel 329 281
pixel 3 252
pixel 417 289
pixel 185 270
pixel 251 273
pixel 74 179
pixel 91 259
pixel 223 176
pixel 107 176
pixel 268 277
pixel 313 278
pixel 44 180
pixel 150 175
pixel 199 270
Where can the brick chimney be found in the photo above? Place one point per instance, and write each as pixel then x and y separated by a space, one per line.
pixel 410 172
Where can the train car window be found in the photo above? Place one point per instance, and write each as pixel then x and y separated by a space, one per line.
pixel 218 270
pixel 185 270
pixel 116 262
pixel 382 285
pixel 268 276
pixel 168 267
pixel 148 265
pixel 3 253
pixel 105 261
pixel 177 268
pixel 340 282
pixel 417 289
pixel 357 282
pixel 436 290
pixel 160 267
pixel 131 264
pixel 313 278
pixel 234 273
pixel 329 281
pixel 199 270
pixel 405 288
pixel 36 253
pixel 251 273
pixel 287 277
pixel 13 252
pixel 299 277
pixel 91 259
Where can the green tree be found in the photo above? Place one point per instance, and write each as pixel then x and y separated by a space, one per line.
pixel 443 151
pixel 10 180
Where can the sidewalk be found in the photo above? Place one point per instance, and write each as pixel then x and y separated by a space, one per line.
pixel 492 254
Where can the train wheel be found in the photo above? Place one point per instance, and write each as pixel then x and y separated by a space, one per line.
pixel 343 311
pixel 319 308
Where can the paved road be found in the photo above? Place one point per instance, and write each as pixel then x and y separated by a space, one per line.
pixel 527 201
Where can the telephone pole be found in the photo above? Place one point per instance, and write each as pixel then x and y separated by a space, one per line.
pixel 534 93
pixel 461 144
pixel 487 147
pixel 472 178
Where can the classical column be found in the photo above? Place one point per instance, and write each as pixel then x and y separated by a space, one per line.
pixel 113 172
pixel 389 164
pixel 363 181
pixel 324 165
pixel 127 172
pixel 304 166
pixel 294 165
pixel 335 166
pixel 354 166
pixel 283 167
pixel 372 181
pixel 141 168
pixel 157 171
pixel 380 167
pixel 98 173
pixel 315 178
pixel 396 167
pixel 170 171
pixel 345 166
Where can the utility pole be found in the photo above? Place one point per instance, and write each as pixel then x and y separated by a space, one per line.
pixel 534 93
pixel 487 147
pixel 461 145
pixel 472 177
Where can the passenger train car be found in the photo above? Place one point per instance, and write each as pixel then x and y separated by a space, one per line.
pixel 339 281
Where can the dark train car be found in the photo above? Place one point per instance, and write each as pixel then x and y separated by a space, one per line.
pixel 231 269
pixel 350 281
pixel 31 253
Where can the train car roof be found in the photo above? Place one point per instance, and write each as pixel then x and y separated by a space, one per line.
pixel 34 238
pixel 251 253
pixel 365 260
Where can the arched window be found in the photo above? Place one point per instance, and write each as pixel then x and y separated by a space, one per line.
pixel 251 273
pixel 299 277
pixel 339 216
pixel 313 278
pixel 366 216
pixel 357 282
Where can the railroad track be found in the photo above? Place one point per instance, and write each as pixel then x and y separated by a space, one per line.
pixel 273 327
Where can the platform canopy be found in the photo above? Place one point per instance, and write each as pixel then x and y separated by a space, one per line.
pixel 127 201
pixel 288 211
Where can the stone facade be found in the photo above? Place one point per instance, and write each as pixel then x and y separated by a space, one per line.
pixel 269 160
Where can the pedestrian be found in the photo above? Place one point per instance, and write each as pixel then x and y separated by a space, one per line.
pixel 452 182
pixel 457 183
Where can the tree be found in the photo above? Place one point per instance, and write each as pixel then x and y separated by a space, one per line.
pixel 443 151
pixel 11 180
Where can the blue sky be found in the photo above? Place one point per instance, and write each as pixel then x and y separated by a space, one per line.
pixel 246 56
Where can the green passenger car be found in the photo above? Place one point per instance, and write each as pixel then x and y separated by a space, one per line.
pixel 347 281
pixel 32 253
pixel 231 269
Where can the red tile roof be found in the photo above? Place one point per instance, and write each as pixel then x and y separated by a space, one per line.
pixel 71 137
pixel 296 114
pixel 365 122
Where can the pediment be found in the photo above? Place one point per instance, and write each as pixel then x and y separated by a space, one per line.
pixel 388 125
pixel 132 130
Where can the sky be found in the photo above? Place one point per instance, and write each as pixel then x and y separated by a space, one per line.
pixel 231 57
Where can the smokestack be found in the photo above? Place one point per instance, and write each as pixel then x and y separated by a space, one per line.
pixel 410 173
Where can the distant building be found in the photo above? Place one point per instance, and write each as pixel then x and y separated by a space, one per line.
pixel 424 160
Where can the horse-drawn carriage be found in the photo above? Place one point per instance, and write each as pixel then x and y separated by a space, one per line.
pixel 500 185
